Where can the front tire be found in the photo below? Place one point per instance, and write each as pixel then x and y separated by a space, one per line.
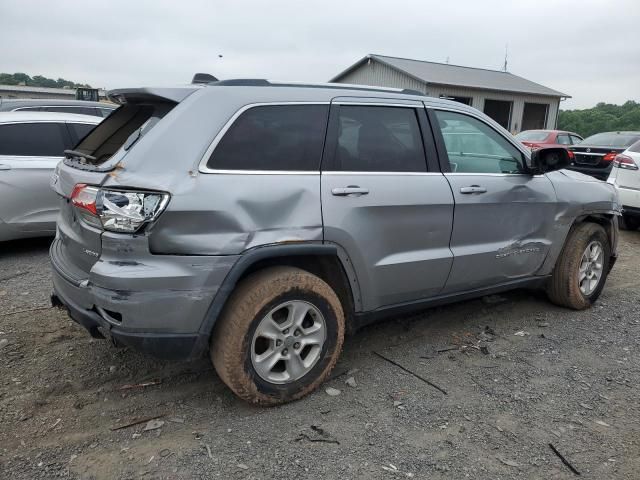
pixel 279 336
pixel 582 267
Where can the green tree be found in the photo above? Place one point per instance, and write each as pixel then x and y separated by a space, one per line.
pixel 37 81
pixel 601 118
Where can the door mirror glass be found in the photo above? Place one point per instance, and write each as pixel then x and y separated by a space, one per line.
pixel 545 160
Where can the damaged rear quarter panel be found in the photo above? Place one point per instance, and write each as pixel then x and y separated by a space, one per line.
pixel 228 213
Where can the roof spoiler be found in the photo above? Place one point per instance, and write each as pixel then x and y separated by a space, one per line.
pixel 141 95
pixel 203 78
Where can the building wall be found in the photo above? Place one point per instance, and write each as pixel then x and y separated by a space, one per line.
pixel 376 74
pixel 31 94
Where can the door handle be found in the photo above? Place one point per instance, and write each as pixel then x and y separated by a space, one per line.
pixel 5 167
pixel 473 189
pixel 354 190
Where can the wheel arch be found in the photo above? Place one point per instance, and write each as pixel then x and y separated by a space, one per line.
pixel 325 260
pixel 607 219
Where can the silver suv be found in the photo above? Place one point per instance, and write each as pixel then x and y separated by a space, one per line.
pixel 258 222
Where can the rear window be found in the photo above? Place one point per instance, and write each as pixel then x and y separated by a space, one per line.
pixel 532 136
pixel 611 140
pixel 635 148
pixel 273 137
pixel 33 139
pixel 122 128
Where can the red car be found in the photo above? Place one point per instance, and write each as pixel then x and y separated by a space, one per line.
pixel 548 138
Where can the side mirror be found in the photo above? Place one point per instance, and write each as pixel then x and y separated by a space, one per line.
pixel 545 160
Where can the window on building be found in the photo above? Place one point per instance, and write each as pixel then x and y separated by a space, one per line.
pixel 379 139
pixel 475 147
pixel 273 137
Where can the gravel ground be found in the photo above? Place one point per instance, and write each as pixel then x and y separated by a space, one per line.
pixel 519 374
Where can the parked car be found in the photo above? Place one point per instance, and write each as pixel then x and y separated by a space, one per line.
pixel 257 222
pixel 31 144
pixel 548 138
pixel 595 155
pixel 625 177
pixel 98 109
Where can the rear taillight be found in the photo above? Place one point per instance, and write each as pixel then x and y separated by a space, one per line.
pixel 84 197
pixel 117 210
pixel 609 157
pixel 625 161
pixel 572 156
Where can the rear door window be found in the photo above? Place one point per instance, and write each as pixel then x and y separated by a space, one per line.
pixel 378 139
pixel 34 139
pixel 273 137
pixel 474 147
pixel 563 139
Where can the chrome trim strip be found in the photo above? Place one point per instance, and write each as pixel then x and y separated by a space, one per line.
pixel 491 174
pixel 18 122
pixel 263 172
pixel 395 174
pixel 590 154
pixel 377 103
pixel 202 166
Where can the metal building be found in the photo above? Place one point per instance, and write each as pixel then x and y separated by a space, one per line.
pixel 22 91
pixel 514 102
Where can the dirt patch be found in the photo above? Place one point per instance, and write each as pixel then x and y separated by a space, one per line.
pixel 519 374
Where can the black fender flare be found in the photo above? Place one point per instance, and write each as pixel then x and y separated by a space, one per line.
pixel 249 258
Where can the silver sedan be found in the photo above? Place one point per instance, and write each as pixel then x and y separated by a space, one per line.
pixel 31 145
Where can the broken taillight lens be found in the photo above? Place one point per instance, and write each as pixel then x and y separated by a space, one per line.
pixel 117 210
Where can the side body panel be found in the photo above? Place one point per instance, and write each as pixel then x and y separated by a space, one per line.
pixel 397 236
pixel 502 234
pixel 27 204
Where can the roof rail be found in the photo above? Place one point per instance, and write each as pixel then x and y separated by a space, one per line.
pixel 261 82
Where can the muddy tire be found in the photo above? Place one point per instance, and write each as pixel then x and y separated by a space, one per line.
pixel 279 336
pixel 582 267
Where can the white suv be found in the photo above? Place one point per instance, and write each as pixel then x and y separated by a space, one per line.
pixel 625 177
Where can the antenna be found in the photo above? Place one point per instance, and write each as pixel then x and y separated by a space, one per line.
pixel 447 60
pixel 506 56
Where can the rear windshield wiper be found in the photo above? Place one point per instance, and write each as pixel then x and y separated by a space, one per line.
pixel 75 153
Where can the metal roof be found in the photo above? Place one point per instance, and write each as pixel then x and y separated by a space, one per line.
pixel 59 91
pixel 446 74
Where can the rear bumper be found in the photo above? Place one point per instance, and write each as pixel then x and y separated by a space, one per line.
pixel 156 303
pixel 162 345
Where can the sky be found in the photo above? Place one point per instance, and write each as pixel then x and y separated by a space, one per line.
pixel 589 49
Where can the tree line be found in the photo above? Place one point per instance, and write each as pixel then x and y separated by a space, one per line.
pixel 604 117
pixel 38 81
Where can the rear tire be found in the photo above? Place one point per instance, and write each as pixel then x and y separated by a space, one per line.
pixel 280 315
pixel 573 283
